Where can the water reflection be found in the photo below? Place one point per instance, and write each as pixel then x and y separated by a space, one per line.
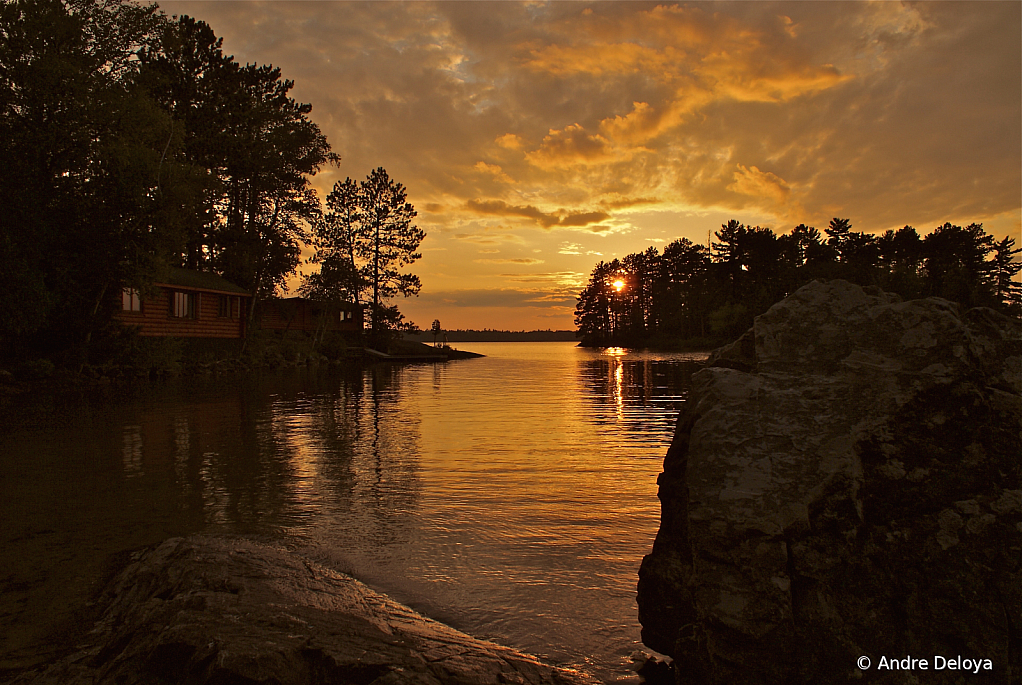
pixel 85 478
pixel 637 393
pixel 512 496
pixel 132 451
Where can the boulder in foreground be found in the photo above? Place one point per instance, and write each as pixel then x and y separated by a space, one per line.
pixel 210 610
pixel 845 480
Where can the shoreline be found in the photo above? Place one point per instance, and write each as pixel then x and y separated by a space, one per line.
pixel 94 377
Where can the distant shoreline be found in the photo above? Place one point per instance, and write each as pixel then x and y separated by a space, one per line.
pixel 485 335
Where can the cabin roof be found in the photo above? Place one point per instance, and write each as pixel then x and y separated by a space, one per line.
pixel 201 280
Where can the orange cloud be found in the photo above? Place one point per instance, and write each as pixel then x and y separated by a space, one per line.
pixel 526 260
pixel 696 58
pixel 762 184
pixel 509 141
pixel 572 146
pixel 601 59
pixel 744 83
pixel 624 203
pixel 493 170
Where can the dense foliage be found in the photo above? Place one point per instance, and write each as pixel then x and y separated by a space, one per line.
pixel 691 293
pixel 131 143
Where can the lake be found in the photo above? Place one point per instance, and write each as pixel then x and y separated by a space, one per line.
pixel 512 496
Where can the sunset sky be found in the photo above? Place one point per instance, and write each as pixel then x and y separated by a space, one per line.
pixel 536 139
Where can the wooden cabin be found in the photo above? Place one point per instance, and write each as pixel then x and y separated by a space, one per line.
pixel 300 314
pixel 187 304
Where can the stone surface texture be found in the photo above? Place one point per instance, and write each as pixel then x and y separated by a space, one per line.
pixel 844 481
pixel 225 611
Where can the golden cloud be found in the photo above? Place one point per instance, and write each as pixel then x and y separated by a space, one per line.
pixel 523 260
pixel 509 141
pixel 486 238
pixel 696 58
pixel 601 59
pixel 493 170
pixel 624 203
pixel 570 146
pixel 762 184
pixel 744 84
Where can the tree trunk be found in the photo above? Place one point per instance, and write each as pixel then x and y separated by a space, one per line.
pixel 376 279
pixel 91 324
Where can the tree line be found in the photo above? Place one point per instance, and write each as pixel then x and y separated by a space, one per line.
pixel 131 143
pixel 707 295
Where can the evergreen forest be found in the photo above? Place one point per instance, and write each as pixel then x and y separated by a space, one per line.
pixel 693 296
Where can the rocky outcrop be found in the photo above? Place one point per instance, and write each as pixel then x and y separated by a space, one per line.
pixel 845 480
pixel 207 610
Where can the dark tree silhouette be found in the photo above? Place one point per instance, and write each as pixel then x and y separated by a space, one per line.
pixel 130 144
pixel 363 241
pixel 707 301
pixel 80 153
pixel 1003 270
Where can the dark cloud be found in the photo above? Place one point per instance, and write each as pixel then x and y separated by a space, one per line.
pixel 501 208
pixel 544 219
pixel 583 219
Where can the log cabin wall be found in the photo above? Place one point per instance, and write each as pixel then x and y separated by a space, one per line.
pixel 184 313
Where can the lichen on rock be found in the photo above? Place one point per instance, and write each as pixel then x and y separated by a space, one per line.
pixel 844 481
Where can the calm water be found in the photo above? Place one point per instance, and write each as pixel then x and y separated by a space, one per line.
pixel 511 496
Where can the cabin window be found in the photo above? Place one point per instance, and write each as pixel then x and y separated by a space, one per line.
pixel 224 306
pixel 130 301
pixel 183 305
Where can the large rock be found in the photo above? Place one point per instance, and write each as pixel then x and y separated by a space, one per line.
pixel 845 481
pixel 220 611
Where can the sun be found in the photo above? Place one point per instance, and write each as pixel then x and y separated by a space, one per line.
pixel 618 285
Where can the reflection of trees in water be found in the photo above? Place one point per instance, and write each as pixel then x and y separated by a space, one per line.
pixel 282 453
pixel 618 386
pixel 370 433
pixel 638 381
pixel 209 460
pixel 86 477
